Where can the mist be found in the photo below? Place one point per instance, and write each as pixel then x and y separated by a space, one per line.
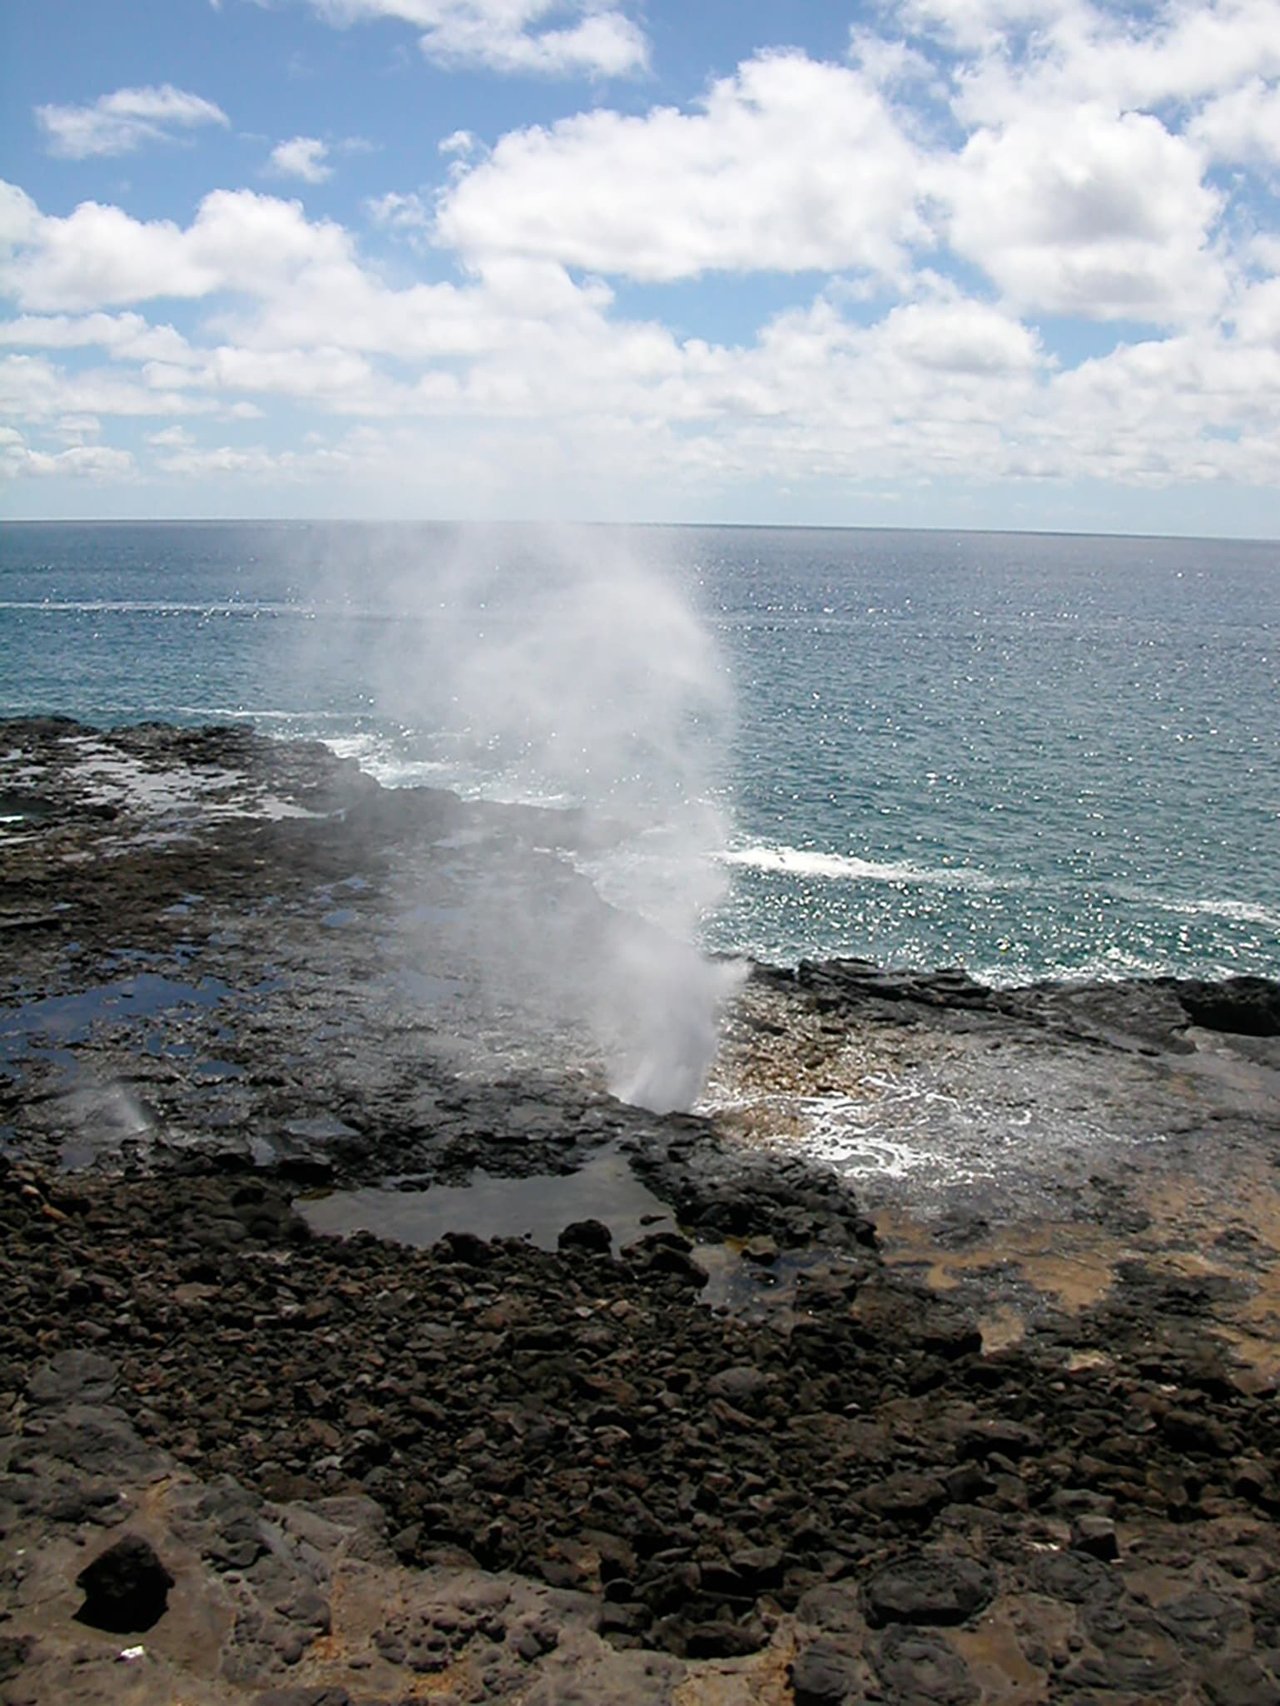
pixel 567 668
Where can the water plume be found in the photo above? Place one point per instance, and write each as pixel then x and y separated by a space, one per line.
pixel 566 667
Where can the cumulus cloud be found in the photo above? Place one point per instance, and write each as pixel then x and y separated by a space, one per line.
pixel 1085 212
pixel 543 37
pixel 33 389
pixel 789 165
pixel 1241 126
pixel 100 256
pixel 125 120
pixel 940 202
pixel 1017 54
pixel 304 157
pixel 126 337
pixel 403 212
pixel 98 462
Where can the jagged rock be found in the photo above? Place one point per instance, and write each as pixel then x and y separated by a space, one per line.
pixel 1097 1536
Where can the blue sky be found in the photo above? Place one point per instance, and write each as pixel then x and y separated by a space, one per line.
pixel 1009 263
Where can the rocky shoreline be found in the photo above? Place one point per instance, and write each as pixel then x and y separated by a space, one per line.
pixel 714 1436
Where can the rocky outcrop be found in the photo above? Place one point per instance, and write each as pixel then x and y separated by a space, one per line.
pixel 745 1452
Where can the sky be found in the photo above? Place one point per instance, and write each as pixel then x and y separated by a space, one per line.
pixel 947 263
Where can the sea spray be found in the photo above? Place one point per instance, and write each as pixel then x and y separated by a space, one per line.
pixel 564 667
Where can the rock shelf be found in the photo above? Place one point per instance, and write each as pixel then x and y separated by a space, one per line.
pixel 929 1436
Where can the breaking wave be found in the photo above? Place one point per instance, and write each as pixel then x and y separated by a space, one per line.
pixel 845 867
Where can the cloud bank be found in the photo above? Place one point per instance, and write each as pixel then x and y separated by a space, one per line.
pixel 1013 244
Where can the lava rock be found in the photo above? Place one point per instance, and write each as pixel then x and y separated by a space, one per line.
pixel 928 1591
pixel 823 1674
pixel 591 1236
pixel 1097 1536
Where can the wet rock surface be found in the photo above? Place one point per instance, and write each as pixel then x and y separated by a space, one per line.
pixel 348 1470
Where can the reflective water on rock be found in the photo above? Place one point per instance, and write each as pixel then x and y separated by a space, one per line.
pixel 54 1020
pixel 537 1208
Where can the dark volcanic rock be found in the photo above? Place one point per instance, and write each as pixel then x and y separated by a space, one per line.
pixel 1246 1006
pixel 331 1440
pixel 593 1236
pixel 1097 1536
pixel 825 1674
pixel 923 1670
pixel 929 1590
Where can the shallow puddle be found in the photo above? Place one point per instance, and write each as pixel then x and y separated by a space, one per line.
pixel 537 1208
pixel 65 1020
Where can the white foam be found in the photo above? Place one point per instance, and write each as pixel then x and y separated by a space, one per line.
pixel 153 607
pixel 846 867
pixel 1239 911
pixel 120 779
pixel 251 712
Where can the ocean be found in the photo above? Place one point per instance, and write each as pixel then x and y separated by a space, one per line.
pixel 1030 755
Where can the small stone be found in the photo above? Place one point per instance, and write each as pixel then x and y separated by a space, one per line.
pixel 591 1236
pixel 1010 1439
pixel 1202 1436
pixel 1096 1535
pixel 737 1384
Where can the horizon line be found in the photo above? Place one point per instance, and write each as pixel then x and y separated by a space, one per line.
pixel 708 526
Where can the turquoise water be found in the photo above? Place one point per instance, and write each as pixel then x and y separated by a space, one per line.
pixel 1033 755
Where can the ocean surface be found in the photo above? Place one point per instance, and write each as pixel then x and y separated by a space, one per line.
pixel 1031 755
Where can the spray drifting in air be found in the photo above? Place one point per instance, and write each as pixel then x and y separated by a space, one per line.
pixel 564 667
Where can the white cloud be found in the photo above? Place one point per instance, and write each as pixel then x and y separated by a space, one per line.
pixel 399 211
pixel 98 462
pixel 20 218
pixel 123 121
pixel 513 36
pixel 33 389
pixel 78 429
pixel 961 337
pixel 1080 211
pixel 126 337
pixel 98 255
pixel 254 462
pixel 1176 410
pixel 302 157
pixel 324 375
pixel 1017 55
pixel 988 25
pixel 789 165
pixel 1069 178
pixel 1257 315
pixel 1243 125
